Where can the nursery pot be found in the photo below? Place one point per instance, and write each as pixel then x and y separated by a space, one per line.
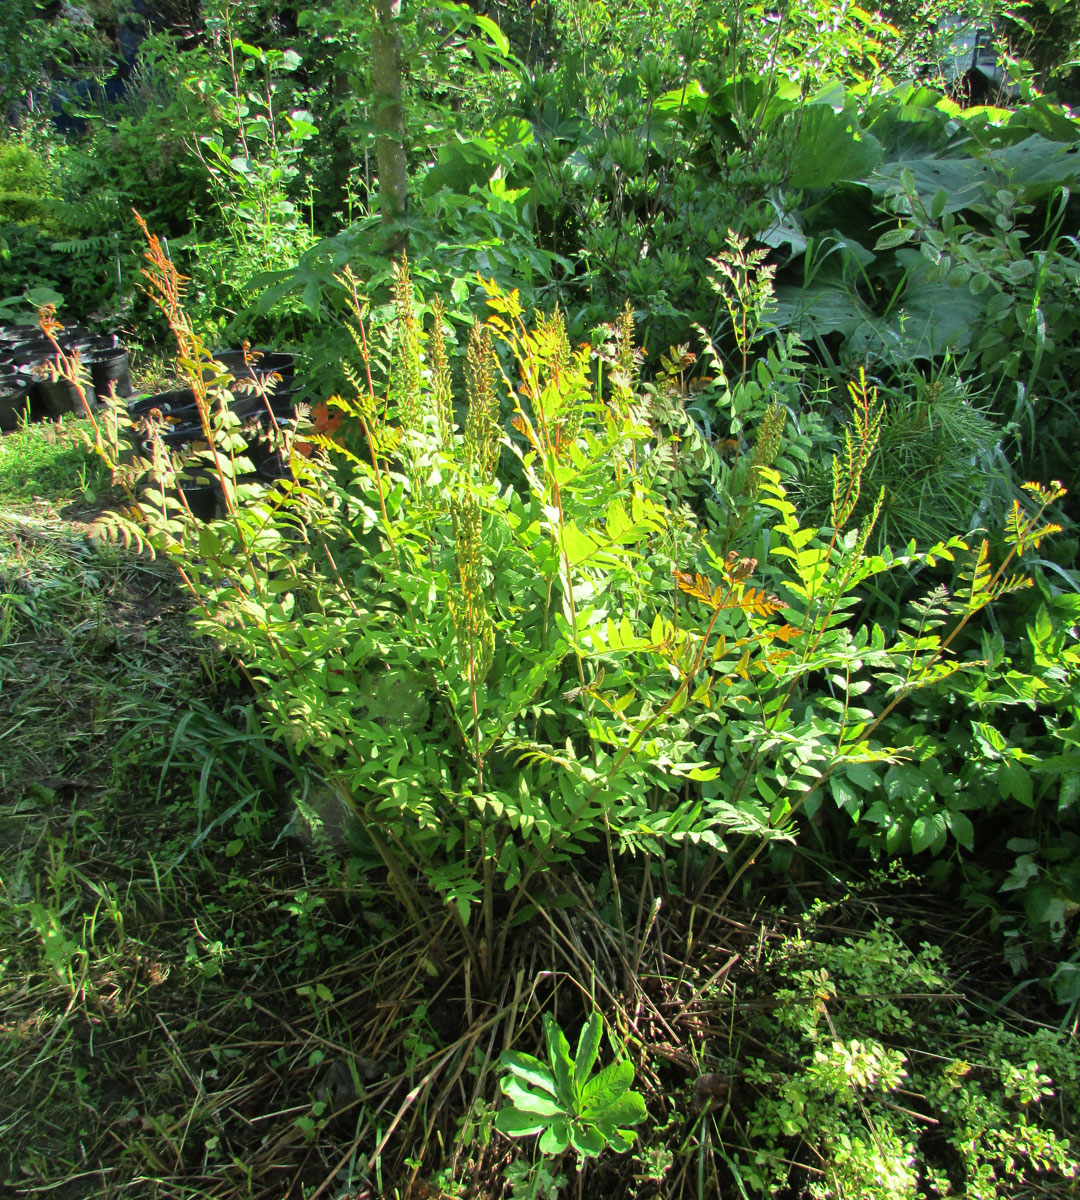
pixel 101 342
pixel 273 469
pixel 202 491
pixel 281 403
pixel 12 335
pixel 172 403
pixel 32 350
pixel 178 438
pixel 259 370
pixel 108 369
pixel 14 403
pixel 60 397
pixel 259 449
pixel 74 335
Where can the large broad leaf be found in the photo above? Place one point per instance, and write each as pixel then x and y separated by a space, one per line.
pixel 519 1124
pixel 605 1088
pixel 911 122
pixel 826 306
pixel 527 1101
pixel 1035 166
pixel 932 318
pixel 587 1049
pixel 1040 166
pixel 1040 116
pixel 558 1049
pixel 530 1069
pixel 928 318
pixel 962 179
pixel 829 149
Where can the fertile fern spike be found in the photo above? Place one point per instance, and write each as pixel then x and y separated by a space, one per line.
pixel 860 442
pixel 767 443
pixel 482 418
pixel 406 388
pixel 440 375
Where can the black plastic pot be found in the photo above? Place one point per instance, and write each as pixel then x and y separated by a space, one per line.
pixel 273 469
pixel 259 448
pixel 32 350
pixel 59 397
pixel 101 342
pixel 259 370
pixel 172 403
pixel 178 438
pixel 202 491
pixel 74 335
pixel 14 404
pixel 108 369
pixel 12 335
pixel 281 403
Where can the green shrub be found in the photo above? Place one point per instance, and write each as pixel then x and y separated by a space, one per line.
pixel 867 1083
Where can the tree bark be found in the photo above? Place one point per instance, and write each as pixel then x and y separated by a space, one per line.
pixel 389 115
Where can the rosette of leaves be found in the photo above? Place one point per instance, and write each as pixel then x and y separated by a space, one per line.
pixel 564 1101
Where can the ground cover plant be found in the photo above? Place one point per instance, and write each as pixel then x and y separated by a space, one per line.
pixel 614 734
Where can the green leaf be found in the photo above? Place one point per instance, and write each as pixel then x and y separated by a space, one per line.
pixel 532 1070
pixel 587 1049
pixel 515 1123
pixel 862 776
pixel 962 829
pixel 556 1138
pixel 576 545
pixel 1015 782
pixel 493 31
pixel 558 1049
pixel 606 1087
pixel 924 832
pixel 587 1140
pixel 628 1109
pixel 530 1102
pixel 828 149
pixel 620 1140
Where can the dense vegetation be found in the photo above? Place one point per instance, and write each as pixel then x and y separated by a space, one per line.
pixel 625 739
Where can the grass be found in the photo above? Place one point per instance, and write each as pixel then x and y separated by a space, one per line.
pixel 48 459
pixel 204 991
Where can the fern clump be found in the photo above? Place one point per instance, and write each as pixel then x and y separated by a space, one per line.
pixel 598 666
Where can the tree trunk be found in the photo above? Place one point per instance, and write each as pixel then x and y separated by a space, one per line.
pixel 389 115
